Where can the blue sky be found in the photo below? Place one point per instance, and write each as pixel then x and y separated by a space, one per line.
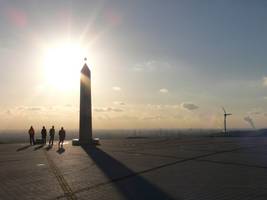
pixel 160 55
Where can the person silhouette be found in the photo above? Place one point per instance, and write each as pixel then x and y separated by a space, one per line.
pixel 51 134
pixel 62 135
pixel 31 134
pixel 44 133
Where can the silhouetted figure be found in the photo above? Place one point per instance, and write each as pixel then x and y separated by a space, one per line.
pixel 44 133
pixel 52 135
pixel 31 134
pixel 62 135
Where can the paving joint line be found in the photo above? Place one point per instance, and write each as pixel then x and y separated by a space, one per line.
pixel 68 193
pixel 231 163
pixel 114 180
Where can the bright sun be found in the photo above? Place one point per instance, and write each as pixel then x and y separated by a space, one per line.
pixel 62 64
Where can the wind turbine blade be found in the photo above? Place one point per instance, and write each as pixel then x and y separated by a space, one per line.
pixel 224 110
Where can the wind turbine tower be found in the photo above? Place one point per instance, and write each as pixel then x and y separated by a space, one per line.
pixel 225 116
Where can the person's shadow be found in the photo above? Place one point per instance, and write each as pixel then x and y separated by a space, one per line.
pixel 23 148
pixel 48 147
pixel 130 184
pixel 39 147
pixel 60 150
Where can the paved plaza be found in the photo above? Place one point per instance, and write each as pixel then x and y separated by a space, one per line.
pixel 189 168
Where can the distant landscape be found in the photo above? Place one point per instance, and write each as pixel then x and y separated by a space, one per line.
pixel 18 136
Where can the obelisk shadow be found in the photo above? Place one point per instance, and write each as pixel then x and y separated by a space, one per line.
pixel 130 184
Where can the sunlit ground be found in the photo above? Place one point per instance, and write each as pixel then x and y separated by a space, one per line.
pixel 62 63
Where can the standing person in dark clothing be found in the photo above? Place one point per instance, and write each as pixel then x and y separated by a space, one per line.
pixel 31 134
pixel 62 135
pixel 52 135
pixel 44 133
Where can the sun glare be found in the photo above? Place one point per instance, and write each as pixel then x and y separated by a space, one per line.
pixel 62 65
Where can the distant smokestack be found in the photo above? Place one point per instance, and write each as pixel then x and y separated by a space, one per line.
pixel 250 121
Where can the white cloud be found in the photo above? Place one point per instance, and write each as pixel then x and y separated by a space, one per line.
pixel 163 90
pixel 106 117
pixel 41 110
pixel 162 106
pixel 29 108
pixel 108 109
pixel 189 106
pixel 138 68
pixel 103 117
pixel 154 107
pixel 155 116
pixel 100 109
pixel 116 88
pixel 264 81
pixel 126 117
pixel 254 112
pixel 119 103
pixel 151 65
pixel 34 108
pixel 152 117
pixel 115 109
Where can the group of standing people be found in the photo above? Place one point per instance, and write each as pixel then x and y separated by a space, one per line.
pixel 61 136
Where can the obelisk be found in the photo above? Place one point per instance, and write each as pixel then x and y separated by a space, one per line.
pixel 85 133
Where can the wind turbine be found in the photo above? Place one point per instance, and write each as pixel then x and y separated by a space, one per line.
pixel 225 116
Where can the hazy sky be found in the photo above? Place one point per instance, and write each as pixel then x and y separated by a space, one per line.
pixel 155 64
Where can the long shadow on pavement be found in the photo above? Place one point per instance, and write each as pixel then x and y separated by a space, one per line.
pixel 39 147
pixel 24 147
pixel 129 183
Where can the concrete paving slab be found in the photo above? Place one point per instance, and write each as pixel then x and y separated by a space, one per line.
pixel 196 168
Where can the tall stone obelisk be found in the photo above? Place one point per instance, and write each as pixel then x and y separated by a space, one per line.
pixel 85 133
